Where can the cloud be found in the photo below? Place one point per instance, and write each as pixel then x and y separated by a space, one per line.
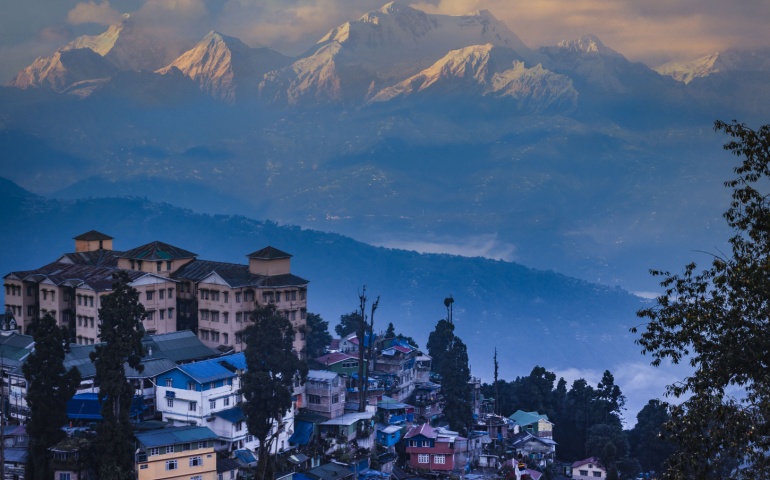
pixel 650 31
pixel 487 246
pixel 92 12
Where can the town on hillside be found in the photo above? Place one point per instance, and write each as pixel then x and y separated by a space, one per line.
pixel 367 405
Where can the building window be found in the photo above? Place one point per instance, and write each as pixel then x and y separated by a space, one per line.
pixel 225 338
pixel 170 293
pixel 190 385
pixel 237 297
pixel 170 402
pixel 196 477
pixel 439 459
pixel 226 296
pixel 153 451
pixel 238 426
pixel 169 382
pixel 171 465
pixel 314 399
pixel 170 313
pixel 201 444
pixel 238 338
pixel 225 317
pixel 238 317
pixel 214 336
pixel 169 449
pixel 277 297
pixel 65 476
pixel 196 461
pixel 193 406
pixel 151 315
pixel 168 265
pixel 150 294
pixel 584 473
pixel 161 294
pixel 214 316
pixel 598 474
pixel 162 313
pixel 421 458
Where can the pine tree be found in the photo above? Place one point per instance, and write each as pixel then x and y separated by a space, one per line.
pixel 272 369
pixel 121 334
pixel 50 386
pixel 318 336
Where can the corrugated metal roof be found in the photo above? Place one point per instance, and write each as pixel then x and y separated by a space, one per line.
pixel 212 370
pixel 321 375
pixel 232 415
pixel 174 435
pixel 182 346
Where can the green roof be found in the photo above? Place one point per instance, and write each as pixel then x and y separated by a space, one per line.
pixel 527 418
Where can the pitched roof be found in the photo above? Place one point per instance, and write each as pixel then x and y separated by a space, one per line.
pixel 97 258
pixel 425 430
pixel 180 347
pixel 527 418
pixel 157 251
pixel 93 235
pixel 174 435
pixel 268 253
pixel 214 369
pixel 335 357
pixel 235 275
pixel 587 461
pixel 321 375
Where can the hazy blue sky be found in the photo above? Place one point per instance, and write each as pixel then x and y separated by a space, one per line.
pixel 651 31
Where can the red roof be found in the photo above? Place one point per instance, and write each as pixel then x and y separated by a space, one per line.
pixel 402 349
pixel 593 460
pixel 334 357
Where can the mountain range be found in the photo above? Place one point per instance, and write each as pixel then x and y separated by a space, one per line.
pixel 400 128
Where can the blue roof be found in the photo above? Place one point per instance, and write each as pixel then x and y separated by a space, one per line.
pixel 245 456
pixel 232 415
pixel 175 435
pixel 302 433
pixel 215 369
pixel 86 406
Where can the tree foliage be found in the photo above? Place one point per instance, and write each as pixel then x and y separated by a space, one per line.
pixel 50 386
pixel 349 323
pixel 121 333
pixel 318 336
pixel 272 369
pixel 718 320
pixel 450 361
pixel 648 439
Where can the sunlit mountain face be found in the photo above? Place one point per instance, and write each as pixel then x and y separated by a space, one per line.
pixel 406 129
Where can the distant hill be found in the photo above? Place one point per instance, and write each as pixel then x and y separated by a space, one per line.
pixel 531 316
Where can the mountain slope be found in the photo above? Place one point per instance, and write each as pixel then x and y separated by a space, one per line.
pixel 63 69
pixel 502 304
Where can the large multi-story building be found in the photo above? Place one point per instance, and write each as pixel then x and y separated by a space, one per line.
pixel 178 290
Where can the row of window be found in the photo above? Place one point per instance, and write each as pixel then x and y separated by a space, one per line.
pixel 14 290
pixel 83 300
pixel 15 309
pixel 84 321
pixel 162 293
pixel 213 316
pixel 213 336
pixel 437 459
pixel 84 340
pixel 162 314
pixel 194 462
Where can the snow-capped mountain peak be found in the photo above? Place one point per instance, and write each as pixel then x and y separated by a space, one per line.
pixel 587 44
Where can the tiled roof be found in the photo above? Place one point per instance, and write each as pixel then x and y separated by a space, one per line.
pixel 268 253
pixel 197 270
pixel 157 251
pixel 174 435
pixel 98 278
pixel 235 275
pixel 588 460
pixel 93 235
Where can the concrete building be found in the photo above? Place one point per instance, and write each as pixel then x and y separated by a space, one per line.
pixel 178 290
pixel 176 453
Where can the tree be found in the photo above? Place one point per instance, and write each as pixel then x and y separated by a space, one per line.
pixel 121 333
pixel 439 341
pixel 648 439
pixel 718 321
pixel 50 386
pixel 390 332
pixel 272 371
pixel 318 336
pixel 455 375
pixel 349 323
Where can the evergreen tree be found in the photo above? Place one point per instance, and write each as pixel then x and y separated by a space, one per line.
pixel 121 333
pixel 272 371
pixel 49 387
pixel 439 341
pixel 648 438
pixel 454 386
pixel 318 336
pixel 390 332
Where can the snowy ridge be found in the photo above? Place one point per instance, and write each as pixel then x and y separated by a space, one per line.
pixel 488 71
pixel 63 69
pixel 717 62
